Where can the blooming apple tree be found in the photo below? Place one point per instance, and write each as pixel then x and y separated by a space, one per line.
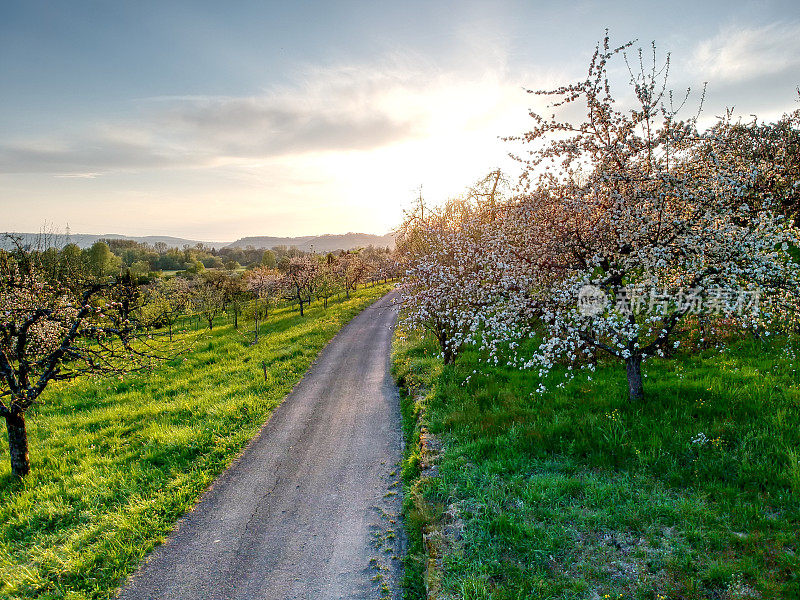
pixel 265 285
pixel 449 274
pixel 629 222
pixel 351 269
pixel 300 280
pixel 55 329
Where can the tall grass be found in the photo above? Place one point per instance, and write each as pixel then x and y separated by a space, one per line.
pixel 578 493
pixel 116 462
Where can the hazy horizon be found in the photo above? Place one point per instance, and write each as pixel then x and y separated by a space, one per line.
pixel 169 234
pixel 70 233
pixel 211 121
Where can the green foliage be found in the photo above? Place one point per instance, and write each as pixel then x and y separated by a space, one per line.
pixel 71 259
pixel 268 259
pixel 195 267
pixel 101 260
pixel 213 262
pixel 140 267
pixel 117 461
pixel 578 493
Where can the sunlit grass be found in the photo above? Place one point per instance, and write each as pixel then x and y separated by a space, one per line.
pixel 116 462
pixel 579 494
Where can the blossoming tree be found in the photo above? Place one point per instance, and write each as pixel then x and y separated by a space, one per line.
pixel 449 268
pixel 55 329
pixel 351 270
pixel 265 285
pixel 630 220
pixel 299 281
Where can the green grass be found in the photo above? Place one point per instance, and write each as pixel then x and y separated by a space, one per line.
pixel 579 494
pixel 116 462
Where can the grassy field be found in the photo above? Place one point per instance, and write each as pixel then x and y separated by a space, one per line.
pixel 116 462
pixel 579 494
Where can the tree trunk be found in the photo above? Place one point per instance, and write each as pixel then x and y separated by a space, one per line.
pixel 633 366
pixel 256 315
pixel 18 444
pixel 301 308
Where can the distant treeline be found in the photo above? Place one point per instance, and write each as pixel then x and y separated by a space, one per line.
pixel 107 256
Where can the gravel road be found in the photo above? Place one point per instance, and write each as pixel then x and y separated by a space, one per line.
pixel 309 511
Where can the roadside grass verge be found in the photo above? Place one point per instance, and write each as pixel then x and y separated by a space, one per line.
pixel 694 494
pixel 415 366
pixel 115 462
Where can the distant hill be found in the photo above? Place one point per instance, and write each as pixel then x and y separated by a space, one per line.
pixel 84 240
pixel 318 243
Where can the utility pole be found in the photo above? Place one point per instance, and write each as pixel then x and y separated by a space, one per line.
pixel 421 205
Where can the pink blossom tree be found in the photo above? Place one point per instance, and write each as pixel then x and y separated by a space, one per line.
pixel 351 270
pixel 56 329
pixel 626 222
pixel 265 284
pixel 299 281
pixel 628 201
pixel 449 271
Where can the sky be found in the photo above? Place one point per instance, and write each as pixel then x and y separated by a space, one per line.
pixel 217 120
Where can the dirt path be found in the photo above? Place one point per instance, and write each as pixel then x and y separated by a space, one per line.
pixel 307 511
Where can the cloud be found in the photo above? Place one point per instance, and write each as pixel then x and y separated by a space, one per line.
pixel 280 125
pixel 737 54
pixel 343 109
pixel 392 100
pixel 83 156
